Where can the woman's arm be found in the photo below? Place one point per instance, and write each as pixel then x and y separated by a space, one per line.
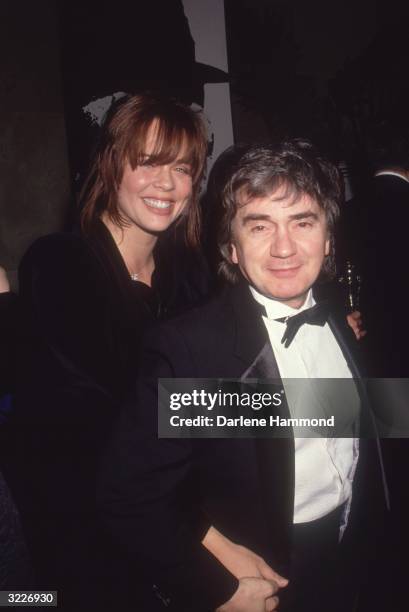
pixel 355 322
pixel 66 361
pixel 63 308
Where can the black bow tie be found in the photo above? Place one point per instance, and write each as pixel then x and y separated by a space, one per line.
pixel 316 315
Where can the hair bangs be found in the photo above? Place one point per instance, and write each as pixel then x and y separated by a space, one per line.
pixel 172 141
pixel 258 187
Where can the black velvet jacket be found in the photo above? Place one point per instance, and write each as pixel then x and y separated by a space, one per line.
pixel 81 319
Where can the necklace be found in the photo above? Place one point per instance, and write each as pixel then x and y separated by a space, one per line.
pixel 136 276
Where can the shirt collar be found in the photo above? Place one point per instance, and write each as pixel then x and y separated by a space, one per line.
pixel 276 310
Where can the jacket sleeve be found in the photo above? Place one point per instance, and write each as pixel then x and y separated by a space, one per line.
pixel 149 493
pixel 64 301
pixel 64 346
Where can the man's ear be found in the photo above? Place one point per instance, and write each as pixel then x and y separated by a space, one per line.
pixel 233 253
pixel 327 246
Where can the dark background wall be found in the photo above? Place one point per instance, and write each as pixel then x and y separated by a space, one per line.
pixel 34 184
pixel 56 58
pixel 324 70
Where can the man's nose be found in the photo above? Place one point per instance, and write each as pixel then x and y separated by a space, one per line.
pixel 164 178
pixel 282 244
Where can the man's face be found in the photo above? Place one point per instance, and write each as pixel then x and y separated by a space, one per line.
pixel 279 245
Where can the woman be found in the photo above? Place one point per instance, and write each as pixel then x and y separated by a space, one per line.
pixel 85 299
pixel 87 296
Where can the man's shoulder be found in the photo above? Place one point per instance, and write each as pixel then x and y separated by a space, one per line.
pixel 220 336
pixel 200 341
pixel 211 317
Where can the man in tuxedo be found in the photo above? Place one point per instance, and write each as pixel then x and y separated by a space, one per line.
pixel 217 523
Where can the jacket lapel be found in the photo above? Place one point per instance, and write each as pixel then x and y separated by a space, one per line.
pixel 275 457
pixel 368 429
pixel 250 332
pixel 263 366
pixel 346 340
pixel 350 349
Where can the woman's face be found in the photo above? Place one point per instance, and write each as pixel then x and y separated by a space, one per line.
pixel 153 196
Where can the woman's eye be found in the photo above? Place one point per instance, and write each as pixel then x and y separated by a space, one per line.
pixel 184 170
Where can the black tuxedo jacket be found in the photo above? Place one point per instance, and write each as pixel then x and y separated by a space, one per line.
pixel 159 497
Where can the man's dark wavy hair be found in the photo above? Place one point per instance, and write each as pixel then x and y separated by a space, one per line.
pixel 260 170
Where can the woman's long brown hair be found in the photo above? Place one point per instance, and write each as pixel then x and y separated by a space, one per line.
pixel 122 140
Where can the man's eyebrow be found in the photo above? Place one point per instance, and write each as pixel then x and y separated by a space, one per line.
pixel 255 217
pixel 308 214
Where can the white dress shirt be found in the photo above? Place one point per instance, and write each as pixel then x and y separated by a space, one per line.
pixel 324 467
